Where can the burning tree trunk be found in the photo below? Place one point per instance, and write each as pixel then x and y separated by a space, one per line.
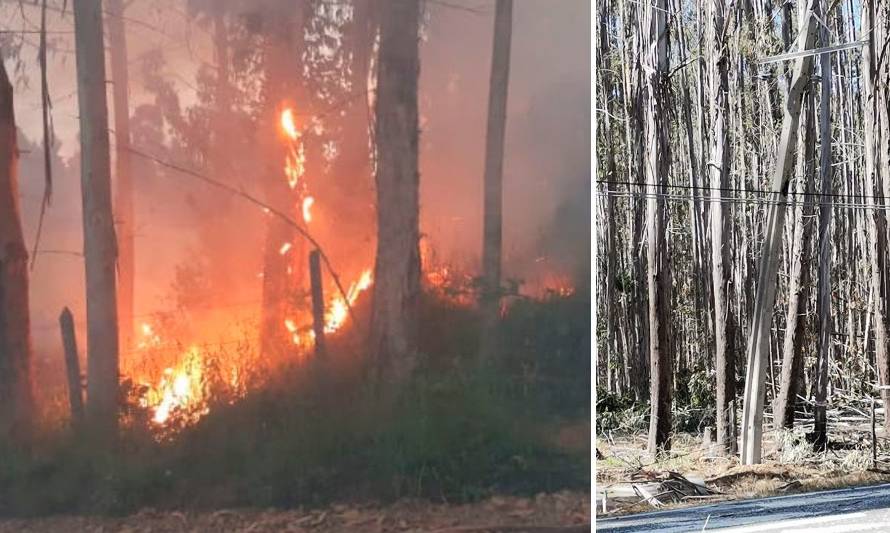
pixel 724 325
pixel 758 341
pixel 657 168
pixel 494 167
pixel 16 388
pixel 100 251
pixel 123 171
pixel 282 273
pixel 393 338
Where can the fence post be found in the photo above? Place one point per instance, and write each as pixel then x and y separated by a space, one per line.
pixel 317 303
pixel 72 365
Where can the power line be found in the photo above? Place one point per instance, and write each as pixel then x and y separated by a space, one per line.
pixel 736 200
pixel 740 190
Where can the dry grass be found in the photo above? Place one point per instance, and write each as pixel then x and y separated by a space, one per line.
pixel 790 466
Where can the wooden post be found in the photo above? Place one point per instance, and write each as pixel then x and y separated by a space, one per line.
pixel 874 440
pixel 72 365
pixel 317 303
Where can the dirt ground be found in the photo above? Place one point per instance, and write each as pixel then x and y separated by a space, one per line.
pixel 791 468
pixel 561 512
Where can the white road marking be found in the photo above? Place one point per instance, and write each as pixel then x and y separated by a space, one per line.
pixel 773 526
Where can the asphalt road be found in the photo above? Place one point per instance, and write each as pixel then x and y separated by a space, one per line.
pixel 844 510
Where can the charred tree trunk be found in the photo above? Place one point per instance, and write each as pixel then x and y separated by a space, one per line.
pixel 393 337
pixel 16 387
pixel 100 251
pixel 494 165
pixel 657 169
pixel 761 321
pixel 124 214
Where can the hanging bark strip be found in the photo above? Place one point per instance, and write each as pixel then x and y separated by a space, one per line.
pixel 765 298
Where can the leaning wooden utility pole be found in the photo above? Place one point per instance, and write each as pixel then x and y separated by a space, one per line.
pixel 765 296
pixel 99 243
pixel 655 49
pixel 16 387
pixel 494 171
pixel 123 199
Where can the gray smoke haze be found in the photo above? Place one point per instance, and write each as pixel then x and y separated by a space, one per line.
pixel 547 169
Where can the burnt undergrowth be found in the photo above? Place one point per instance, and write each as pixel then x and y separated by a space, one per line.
pixel 457 432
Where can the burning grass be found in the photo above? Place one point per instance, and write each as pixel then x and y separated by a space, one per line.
pixel 278 438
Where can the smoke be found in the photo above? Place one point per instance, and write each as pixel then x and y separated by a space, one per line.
pixel 546 180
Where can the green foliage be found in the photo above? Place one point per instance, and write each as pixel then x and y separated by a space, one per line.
pixel 619 413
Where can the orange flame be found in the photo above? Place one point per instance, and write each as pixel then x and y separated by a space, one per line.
pixel 288 124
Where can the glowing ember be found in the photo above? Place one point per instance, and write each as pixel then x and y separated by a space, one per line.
pixel 307 208
pixel 149 337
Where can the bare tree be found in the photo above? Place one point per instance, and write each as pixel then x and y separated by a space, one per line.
pixel 393 337
pixel 724 326
pixel 16 388
pixel 823 300
pixel 100 250
pixel 876 24
pixel 123 199
pixel 657 169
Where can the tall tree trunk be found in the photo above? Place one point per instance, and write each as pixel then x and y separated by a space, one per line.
pixel 124 214
pixel 657 169
pixel 16 387
pixel 875 26
pixel 494 163
pixel 823 299
pixel 799 282
pixel 759 333
pixel 724 325
pixel 100 250
pixel 393 338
